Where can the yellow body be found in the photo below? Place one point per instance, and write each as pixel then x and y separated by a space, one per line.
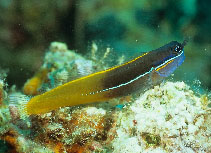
pixel 69 94
pixel 75 92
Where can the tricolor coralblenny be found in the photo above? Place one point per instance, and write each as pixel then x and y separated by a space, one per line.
pixel 139 73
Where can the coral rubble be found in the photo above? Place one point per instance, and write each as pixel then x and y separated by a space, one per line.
pixel 168 118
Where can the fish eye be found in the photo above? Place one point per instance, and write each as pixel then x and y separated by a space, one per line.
pixel 178 49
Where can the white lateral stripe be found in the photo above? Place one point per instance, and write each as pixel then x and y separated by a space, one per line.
pixel 169 60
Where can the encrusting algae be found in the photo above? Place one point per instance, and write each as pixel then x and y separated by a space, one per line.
pixel 167 118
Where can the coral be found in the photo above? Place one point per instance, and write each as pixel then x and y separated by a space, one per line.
pixel 20 144
pixel 3 85
pixel 58 56
pixel 10 137
pixel 4 119
pixel 69 129
pixel 1 92
pixel 126 145
pixel 4 111
pixel 169 117
pixel 64 65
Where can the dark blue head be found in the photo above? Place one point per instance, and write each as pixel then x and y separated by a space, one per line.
pixel 172 56
pixel 176 48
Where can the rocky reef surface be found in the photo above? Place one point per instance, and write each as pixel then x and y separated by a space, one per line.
pixel 169 117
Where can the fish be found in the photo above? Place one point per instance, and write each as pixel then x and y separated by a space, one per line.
pixel 137 74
